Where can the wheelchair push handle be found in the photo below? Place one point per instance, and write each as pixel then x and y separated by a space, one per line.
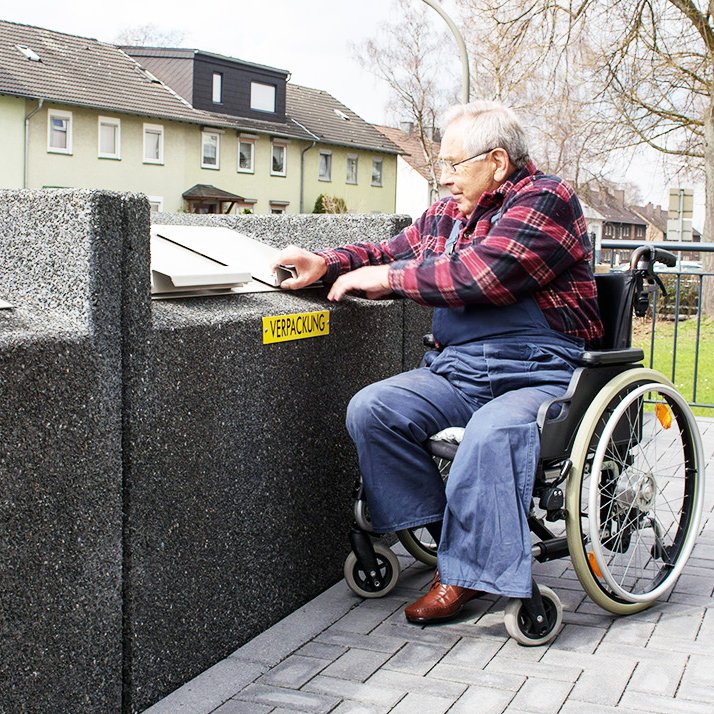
pixel 644 258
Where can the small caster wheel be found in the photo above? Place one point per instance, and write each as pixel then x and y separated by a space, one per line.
pixel 388 574
pixel 521 628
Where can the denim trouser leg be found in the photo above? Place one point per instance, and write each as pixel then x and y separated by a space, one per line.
pixel 485 543
pixel 390 421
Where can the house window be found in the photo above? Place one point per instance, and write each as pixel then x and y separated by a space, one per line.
pixel 210 150
pixel 351 169
pixel 278 160
pixel 156 203
pixel 639 232
pixel 109 138
pixel 262 97
pixel 278 207
pixel 608 229
pixel 153 144
pixel 376 172
pixel 246 156
pixel 325 169
pixel 59 132
pixel 217 88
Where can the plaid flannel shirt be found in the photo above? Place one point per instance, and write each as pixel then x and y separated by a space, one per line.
pixel 528 237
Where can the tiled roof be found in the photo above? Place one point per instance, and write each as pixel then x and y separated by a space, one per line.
pixel 411 149
pixel 85 72
pixel 333 122
pixel 205 190
pixel 612 209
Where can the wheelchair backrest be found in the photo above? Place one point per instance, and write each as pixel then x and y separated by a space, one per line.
pixel 615 292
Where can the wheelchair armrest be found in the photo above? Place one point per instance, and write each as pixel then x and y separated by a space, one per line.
pixel 593 358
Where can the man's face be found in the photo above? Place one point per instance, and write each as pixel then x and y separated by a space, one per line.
pixel 472 178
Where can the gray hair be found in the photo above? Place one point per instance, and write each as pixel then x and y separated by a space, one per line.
pixel 490 125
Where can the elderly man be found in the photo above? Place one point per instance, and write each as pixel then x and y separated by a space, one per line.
pixel 505 262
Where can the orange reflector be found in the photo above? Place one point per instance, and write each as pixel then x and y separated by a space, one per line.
pixel 664 415
pixel 593 564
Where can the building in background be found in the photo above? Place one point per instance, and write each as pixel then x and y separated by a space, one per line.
pixel 415 181
pixel 191 130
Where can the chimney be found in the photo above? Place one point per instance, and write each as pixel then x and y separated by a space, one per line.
pixel 407 127
pixel 620 198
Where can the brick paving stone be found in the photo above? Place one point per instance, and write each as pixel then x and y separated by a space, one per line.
pixel 356 664
pixel 293 672
pixel 469 675
pixel 575 707
pixel 210 689
pixel 603 684
pixel 368 615
pixel 380 643
pixel 416 658
pixel 663 705
pixel 627 631
pixel 412 633
pixel 233 706
pixel 415 683
pixel 682 625
pixel 541 696
pixel 699 672
pixel 348 707
pixel 422 703
pixel 321 651
pixel 472 652
pixel 563 672
pixel 579 638
pixel 301 701
pixel 385 696
pixel 515 651
pixel 664 644
pixel 483 700
pixel 655 678
pixel 706 631
pixel 593 619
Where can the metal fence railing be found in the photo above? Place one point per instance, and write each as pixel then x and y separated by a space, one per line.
pixel 677 337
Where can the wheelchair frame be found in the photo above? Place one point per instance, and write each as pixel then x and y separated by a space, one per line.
pixel 628 529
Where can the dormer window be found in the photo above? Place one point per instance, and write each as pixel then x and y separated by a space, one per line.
pixel 262 97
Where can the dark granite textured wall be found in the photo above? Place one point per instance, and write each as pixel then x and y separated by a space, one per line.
pixel 169 486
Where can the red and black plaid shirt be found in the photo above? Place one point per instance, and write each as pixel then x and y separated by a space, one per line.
pixel 526 238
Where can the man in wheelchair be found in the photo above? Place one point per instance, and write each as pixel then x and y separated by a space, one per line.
pixel 505 262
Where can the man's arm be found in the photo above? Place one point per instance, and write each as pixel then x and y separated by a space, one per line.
pixel 537 238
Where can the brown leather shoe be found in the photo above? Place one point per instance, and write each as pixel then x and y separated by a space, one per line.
pixel 442 602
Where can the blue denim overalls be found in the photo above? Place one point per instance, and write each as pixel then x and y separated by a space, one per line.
pixel 499 364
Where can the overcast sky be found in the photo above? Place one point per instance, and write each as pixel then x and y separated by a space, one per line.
pixel 313 39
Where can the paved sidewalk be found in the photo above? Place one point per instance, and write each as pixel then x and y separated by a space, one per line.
pixel 341 654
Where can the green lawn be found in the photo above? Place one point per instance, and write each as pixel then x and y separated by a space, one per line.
pixel 686 343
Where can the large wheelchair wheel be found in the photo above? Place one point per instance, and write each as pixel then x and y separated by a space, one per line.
pixel 418 541
pixel 635 490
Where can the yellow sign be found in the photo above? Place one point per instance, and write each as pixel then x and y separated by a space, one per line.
pixel 281 328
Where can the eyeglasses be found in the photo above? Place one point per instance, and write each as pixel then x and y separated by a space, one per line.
pixel 443 165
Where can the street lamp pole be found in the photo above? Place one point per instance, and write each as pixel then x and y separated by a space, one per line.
pixel 465 74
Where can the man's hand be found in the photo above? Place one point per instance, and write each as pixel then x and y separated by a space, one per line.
pixel 372 280
pixel 308 266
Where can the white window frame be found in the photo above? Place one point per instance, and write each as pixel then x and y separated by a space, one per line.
pixel 249 140
pixel 328 165
pixel 217 165
pixel 157 201
pixel 154 129
pixel 348 178
pixel 282 145
pixel 66 116
pixel 375 163
pixel 217 89
pixel 116 123
pixel 259 99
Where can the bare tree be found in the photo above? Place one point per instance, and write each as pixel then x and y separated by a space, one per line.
pixel 149 35
pixel 409 56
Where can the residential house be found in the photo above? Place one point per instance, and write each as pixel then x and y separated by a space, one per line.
pixel 415 181
pixel 190 129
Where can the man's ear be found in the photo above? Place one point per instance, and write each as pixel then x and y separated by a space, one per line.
pixel 503 164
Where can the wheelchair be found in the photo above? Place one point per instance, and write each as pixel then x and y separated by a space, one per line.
pixel 619 486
